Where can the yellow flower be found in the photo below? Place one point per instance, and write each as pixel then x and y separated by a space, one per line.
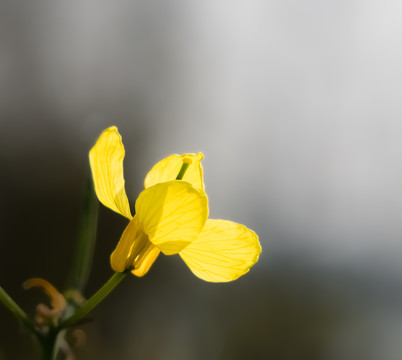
pixel 171 216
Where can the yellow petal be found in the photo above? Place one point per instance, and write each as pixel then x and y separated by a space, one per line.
pixel 120 258
pixel 168 169
pixel 172 214
pixel 106 159
pixel 134 251
pixel 145 261
pixel 224 251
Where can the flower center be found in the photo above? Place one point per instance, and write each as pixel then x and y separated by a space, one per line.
pixel 142 254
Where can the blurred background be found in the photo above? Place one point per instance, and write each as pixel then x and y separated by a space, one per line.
pixel 296 106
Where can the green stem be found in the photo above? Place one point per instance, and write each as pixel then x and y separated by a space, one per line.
pixel 86 239
pixel 94 300
pixel 16 311
pixel 49 344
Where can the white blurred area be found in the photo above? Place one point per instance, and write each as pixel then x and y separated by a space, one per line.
pixel 295 104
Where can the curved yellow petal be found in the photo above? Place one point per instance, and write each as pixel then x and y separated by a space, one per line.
pixel 146 260
pixel 106 159
pixel 134 251
pixel 120 258
pixel 224 251
pixel 168 169
pixel 172 214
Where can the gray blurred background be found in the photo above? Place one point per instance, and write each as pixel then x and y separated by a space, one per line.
pixel 297 108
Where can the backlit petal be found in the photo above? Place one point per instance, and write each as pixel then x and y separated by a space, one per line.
pixel 145 262
pixel 134 251
pixel 172 214
pixel 224 251
pixel 120 258
pixel 168 168
pixel 106 159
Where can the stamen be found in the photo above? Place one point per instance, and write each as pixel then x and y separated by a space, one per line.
pixel 183 169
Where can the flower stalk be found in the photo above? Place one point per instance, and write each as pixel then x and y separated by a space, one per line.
pixel 94 300
pixel 16 311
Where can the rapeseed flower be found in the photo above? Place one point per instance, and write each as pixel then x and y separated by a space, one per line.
pixel 171 216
